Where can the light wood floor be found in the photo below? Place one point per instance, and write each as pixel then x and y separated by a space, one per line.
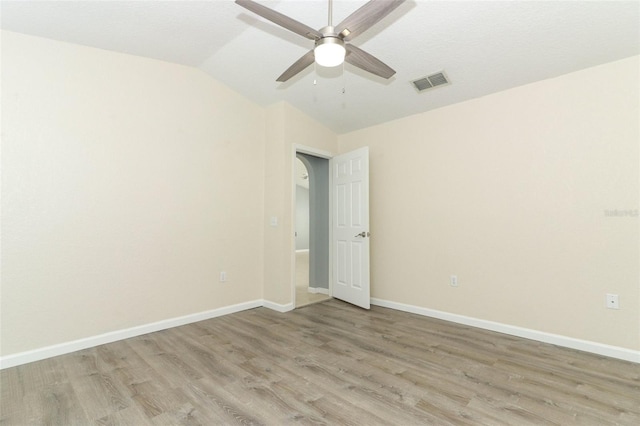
pixel 327 363
pixel 303 296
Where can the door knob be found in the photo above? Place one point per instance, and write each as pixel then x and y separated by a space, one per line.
pixel 363 234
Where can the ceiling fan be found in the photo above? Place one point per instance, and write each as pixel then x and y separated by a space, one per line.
pixel 331 42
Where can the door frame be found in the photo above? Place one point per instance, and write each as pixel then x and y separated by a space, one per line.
pixel 303 149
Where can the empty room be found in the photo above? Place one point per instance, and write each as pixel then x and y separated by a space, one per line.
pixel 356 212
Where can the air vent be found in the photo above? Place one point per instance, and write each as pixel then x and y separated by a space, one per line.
pixel 430 81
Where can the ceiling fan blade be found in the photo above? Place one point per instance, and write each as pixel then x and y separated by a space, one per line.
pixel 298 66
pixel 365 17
pixel 361 59
pixel 280 19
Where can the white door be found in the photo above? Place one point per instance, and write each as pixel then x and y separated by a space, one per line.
pixel 350 217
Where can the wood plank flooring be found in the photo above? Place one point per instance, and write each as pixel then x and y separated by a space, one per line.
pixel 327 363
pixel 303 297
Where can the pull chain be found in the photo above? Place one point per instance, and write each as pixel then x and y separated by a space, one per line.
pixel 344 84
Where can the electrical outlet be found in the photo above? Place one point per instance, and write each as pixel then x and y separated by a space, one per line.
pixel 612 301
pixel 223 277
pixel 453 281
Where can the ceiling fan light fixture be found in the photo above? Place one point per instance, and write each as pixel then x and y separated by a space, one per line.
pixel 329 52
pixel 330 49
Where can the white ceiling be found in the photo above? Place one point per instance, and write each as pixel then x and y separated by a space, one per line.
pixel 483 46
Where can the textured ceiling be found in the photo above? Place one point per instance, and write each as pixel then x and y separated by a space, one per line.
pixel 484 46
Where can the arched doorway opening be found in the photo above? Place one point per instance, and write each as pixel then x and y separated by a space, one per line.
pixel 312 230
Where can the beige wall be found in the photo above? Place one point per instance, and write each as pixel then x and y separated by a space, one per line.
pixel 128 184
pixel 286 127
pixel 509 192
pixel 122 198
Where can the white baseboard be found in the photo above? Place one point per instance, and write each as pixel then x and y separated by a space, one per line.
pixel 76 345
pixel 277 306
pixel 101 339
pixel 318 290
pixel 554 339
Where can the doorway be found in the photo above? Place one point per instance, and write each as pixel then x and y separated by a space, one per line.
pixel 312 272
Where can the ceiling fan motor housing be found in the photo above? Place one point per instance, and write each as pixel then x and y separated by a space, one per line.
pixel 329 50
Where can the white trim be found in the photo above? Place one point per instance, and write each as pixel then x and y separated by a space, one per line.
pixel 302 251
pixel 76 345
pixel 541 336
pixel 303 149
pixel 277 306
pixel 113 336
pixel 318 290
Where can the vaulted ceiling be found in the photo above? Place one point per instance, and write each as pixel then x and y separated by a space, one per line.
pixel 483 46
